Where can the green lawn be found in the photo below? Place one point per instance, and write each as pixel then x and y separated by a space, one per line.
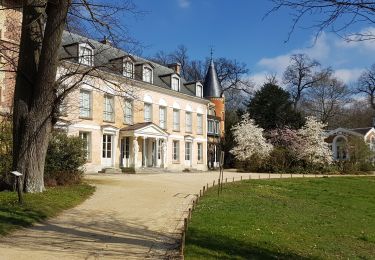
pixel 38 207
pixel 324 218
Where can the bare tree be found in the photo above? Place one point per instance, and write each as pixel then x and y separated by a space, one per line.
pixel 366 85
pixel 38 94
pixel 338 16
pixel 300 75
pixel 233 75
pixel 326 99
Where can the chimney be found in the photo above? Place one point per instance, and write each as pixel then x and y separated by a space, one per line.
pixel 176 67
pixel 106 41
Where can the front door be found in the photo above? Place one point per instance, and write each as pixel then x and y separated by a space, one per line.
pixel 188 156
pixel 107 153
pixel 125 152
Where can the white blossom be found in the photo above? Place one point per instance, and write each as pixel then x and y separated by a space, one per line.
pixel 250 140
pixel 315 150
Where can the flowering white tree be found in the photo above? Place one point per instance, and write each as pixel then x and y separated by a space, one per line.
pixel 315 150
pixel 250 140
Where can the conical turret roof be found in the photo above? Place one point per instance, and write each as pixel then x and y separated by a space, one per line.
pixel 211 87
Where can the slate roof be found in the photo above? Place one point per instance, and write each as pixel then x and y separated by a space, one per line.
pixel 211 87
pixel 362 131
pixel 103 53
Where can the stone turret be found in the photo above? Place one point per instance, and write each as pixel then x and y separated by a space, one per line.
pixel 212 90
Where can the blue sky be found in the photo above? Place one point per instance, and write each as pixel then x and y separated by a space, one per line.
pixel 236 30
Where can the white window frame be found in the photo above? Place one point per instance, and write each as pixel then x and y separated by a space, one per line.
pixel 85 111
pixel 200 92
pixel 217 127
pixel 175 87
pixel 188 122
pixel 86 136
pixel 128 111
pixel 210 128
pixel 149 106
pixel 200 152
pixel 144 78
pixel 85 59
pixel 176 121
pixel 128 72
pixel 188 150
pixel 175 151
pixel 163 120
pixel 109 108
pixel 199 124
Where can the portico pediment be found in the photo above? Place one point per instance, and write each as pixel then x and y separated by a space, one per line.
pixel 145 129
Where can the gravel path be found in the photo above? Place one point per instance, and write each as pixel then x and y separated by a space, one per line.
pixel 128 217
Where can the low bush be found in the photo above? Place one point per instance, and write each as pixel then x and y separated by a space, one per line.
pixel 64 161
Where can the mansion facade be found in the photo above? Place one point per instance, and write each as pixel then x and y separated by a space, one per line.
pixel 134 113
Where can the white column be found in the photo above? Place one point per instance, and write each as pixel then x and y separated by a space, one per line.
pixel 157 152
pixel 215 155
pixel 135 151
pixel 144 154
pixel 164 153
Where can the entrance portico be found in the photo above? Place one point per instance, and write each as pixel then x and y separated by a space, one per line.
pixel 143 145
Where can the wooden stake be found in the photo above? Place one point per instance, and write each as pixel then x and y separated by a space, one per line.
pixel 241 177
pixel 226 180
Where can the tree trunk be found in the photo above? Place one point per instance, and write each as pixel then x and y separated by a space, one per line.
pixel 34 97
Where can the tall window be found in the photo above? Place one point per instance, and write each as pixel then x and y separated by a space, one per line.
pixel 86 56
pixel 147 74
pixel 199 91
pixel 163 117
pixel 108 112
pixel 86 137
pixel 176 151
pixel 107 146
pixel 200 152
pixel 128 69
pixel 217 127
pixel 85 104
pixel 188 122
pixel 187 151
pixel 175 84
pixel 176 120
pixel 210 126
pixel 128 111
pixel 148 112
pixel 200 124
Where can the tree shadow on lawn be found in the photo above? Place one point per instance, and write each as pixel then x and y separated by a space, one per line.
pixel 18 217
pixel 223 247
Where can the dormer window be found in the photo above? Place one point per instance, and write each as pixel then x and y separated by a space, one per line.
pixel 128 69
pixel 147 74
pixel 199 91
pixel 175 84
pixel 86 55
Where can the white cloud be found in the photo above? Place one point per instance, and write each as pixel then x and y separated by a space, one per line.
pixel 319 51
pixel 347 59
pixel 348 75
pixel 367 45
pixel 184 3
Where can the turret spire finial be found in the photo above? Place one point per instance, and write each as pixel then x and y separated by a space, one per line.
pixel 212 52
